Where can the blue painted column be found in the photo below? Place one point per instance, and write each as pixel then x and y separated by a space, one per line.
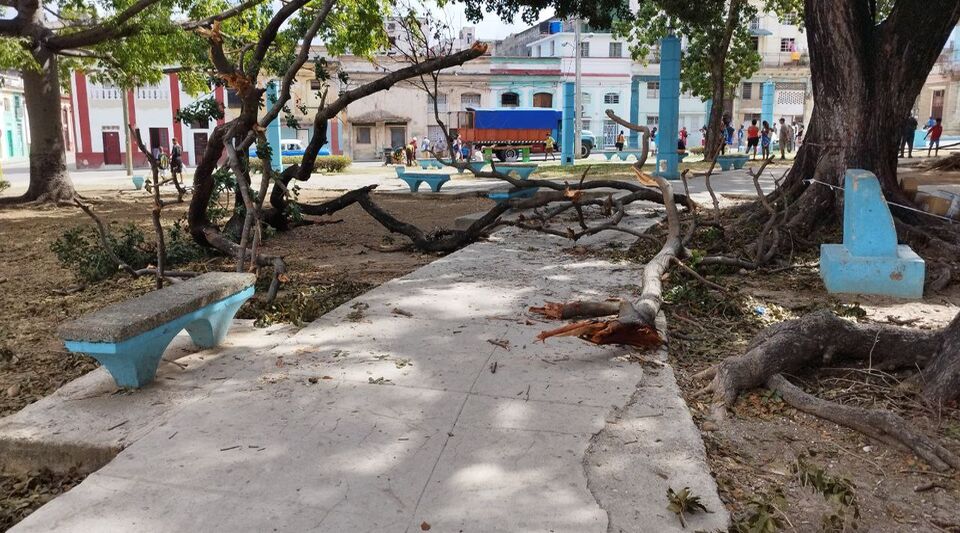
pixel 766 102
pixel 667 158
pixel 566 144
pixel 634 141
pixel 273 131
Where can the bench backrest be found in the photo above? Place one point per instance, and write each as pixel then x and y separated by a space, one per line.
pixel 129 318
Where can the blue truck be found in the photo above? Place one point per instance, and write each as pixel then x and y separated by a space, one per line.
pixel 508 130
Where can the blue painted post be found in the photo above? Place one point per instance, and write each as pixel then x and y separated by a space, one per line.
pixel 869 261
pixel 273 131
pixel 569 112
pixel 634 141
pixel 667 158
pixel 766 103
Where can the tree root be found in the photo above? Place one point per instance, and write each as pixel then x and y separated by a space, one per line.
pixel 882 426
pixel 819 338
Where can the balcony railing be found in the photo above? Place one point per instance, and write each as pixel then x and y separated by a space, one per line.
pixel 785 59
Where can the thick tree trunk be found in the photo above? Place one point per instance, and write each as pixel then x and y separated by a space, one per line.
pixel 49 179
pixel 941 378
pixel 866 78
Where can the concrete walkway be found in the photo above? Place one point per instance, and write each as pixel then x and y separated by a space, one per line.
pixel 426 400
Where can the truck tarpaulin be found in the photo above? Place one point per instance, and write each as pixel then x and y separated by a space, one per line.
pixel 514 118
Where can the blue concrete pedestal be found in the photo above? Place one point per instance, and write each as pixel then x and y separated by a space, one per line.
pixel 869 261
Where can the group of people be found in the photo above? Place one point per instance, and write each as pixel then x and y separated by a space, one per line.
pixel 760 137
pixel 426 147
pixel 908 130
pixel 173 161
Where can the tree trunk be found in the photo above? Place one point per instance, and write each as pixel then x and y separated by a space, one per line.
pixel 49 179
pixel 866 77
pixel 941 378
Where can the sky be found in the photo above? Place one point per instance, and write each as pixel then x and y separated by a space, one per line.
pixel 491 27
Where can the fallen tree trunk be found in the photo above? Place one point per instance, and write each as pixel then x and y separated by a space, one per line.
pixel 635 323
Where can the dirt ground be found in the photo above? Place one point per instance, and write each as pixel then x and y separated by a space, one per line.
pixel 782 470
pixel 327 264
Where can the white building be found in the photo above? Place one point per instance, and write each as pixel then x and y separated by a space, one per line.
pixel 102 135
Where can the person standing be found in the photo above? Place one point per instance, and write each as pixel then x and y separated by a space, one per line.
pixel 683 138
pixel 620 141
pixel 766 132
pixel 907 132
pixel 934 134
pixel 753 137
pixel 740 137
pixel 457 146
pixel 425 148
pixel 786 134
pixel 176 161
pixel 548 145
pixel 799 134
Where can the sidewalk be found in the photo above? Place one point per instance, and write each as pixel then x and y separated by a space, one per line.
pixel 426 400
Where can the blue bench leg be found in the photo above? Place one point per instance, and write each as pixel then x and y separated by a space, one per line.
pixel 435 187
pixel 209 331
pixel 135 365
pixel 414 187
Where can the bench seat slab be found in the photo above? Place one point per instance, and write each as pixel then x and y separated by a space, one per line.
pixel 133 362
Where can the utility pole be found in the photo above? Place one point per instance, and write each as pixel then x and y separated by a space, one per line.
pixel 126 131
pixel 578 96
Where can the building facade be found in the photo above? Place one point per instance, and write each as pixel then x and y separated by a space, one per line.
pixel 940 95
pixel 15 142
pixel 102 135
pixel 785 62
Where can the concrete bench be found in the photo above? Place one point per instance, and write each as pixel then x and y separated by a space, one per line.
pixel 414 179
pixel 503 196
pixel 523 171
pixel 476 166
pixel 129 338
pixel 609 154
pixel 627 153
pixel 869 261
pixel 427 164
pixel 731 161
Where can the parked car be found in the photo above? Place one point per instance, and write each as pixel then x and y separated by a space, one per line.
pixel 290 148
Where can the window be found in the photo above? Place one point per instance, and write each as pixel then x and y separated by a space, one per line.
pixel 584 49
pixel 364 134
pixel 543 100
pixel 790 19
pixel 616 49
pixel 653 120
pixel 233 101
pixel 747 92
pixel 755 23
pixel 788 45
pixel 653 89
pixel 469 100
pixel 756 42
pixel 586 98
pixel 936 103
pixel 585 124
pixel 315 85
pixel 611 98
pixel 441 104
pixel 509 100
